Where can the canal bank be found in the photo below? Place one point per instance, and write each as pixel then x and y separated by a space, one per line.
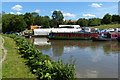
pixel 42 65
pixel 14 66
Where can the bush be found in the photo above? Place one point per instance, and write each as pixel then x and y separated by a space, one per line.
pixel 42 65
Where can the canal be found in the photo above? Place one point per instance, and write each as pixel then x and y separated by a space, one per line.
pixel 92 59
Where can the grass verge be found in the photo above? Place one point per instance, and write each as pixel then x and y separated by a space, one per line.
pixel 108 26
pixel 42 65
pixel 14 66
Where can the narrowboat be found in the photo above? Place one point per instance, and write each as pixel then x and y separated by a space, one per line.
pixel 71 35
pixel 100 39
pixel 118 37
pixel 106 36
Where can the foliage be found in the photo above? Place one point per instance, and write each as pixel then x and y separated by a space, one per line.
pixel 43 21
pixel 70 22
pixel 53 23
pixel 82 22
pixel 14 66
pixel 107 19
pixel 0 22
pixel 42 65
pixel 13 23
pixel 116 18
pixel 17 23
pixel 58 17
pixel 94 22
pixel 29 19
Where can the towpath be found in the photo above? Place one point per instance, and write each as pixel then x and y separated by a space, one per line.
pixel 3 51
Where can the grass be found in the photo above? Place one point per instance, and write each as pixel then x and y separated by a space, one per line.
pixel 14 66
pixel 0 26
pixel 108 26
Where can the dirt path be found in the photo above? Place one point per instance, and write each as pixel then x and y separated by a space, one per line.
pixel 3 51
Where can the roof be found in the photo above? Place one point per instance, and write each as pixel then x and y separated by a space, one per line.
pixel 74 26
pixel 113 32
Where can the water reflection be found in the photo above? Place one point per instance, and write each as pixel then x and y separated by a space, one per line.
pixel 108 47
pixel 93 59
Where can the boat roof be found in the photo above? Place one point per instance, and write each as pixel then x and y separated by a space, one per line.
pixel 74 26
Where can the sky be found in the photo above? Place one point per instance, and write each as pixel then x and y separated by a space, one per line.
pixel 70 10
pixel 60 0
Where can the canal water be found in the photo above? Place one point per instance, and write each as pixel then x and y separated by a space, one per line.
pixel 92 59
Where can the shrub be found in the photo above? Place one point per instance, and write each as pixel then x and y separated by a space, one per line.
pixel 42 65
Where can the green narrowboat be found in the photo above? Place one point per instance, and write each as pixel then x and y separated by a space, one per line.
pixel 72 35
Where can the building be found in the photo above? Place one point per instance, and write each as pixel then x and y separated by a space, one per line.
pixel 69 26
pixel 35 27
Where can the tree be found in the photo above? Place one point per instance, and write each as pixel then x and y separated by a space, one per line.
pixel 6 19
pixel 53 23
pixel 94 22
pixel 29 19
pixel 13 23
pixel 71 22
pixel 116 18
pixel 42 21
pixel 34 14
pixel 17 24
pixel 107 19
pixel 46 22
pixel 82 22
pixel 58 16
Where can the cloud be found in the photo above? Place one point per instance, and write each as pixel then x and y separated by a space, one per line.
pixel 56 10
pixel 96 5
pixel 51 11
pixel 88 15
pixel 69 15
pixel 12 13
pixel 19 13
pixel 17 7
pixel 37 10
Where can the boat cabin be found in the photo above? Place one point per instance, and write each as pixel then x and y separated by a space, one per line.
pixel 72 35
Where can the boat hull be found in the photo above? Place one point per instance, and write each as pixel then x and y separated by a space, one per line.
pixel 118 39
pixel 70 36
pixel 63 38
pixel 102 39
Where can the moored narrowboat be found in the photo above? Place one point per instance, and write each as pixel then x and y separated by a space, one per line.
pixel 72 35
pixel 106 36
pixel 118 37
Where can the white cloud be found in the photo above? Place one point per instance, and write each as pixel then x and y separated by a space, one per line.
pixel 12 13
pixel 51 11
pixel 19 13
pixel 37 10
pixel 96 5
pixel 69 15
pixel 17 7
pixel 56 10
pixel 88 15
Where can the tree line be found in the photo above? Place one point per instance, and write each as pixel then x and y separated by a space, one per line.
pixel 17 23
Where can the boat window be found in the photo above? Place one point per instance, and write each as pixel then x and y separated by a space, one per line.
pixel 66 35
pixel 76 35
pixel 116 36
pixel 79 35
